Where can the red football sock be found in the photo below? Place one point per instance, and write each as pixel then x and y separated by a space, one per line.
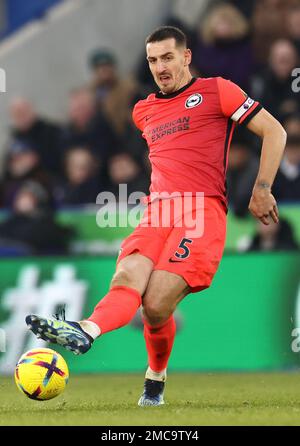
pixel 159 343
pixel 116 309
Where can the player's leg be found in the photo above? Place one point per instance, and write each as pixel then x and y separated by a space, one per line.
pixel 139 252
pixel 164 291
pixel 193 257
pixel 116 309
pixel 124 298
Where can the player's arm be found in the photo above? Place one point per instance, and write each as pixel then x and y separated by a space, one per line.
pixel 236 105
pixel 262 203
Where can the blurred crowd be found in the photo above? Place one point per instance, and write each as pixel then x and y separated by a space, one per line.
pixel 49 165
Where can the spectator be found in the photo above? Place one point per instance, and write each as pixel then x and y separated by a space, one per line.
pixel 23 163
pixel 136 146
pixel 82 184
pixel 269 24
pixel 273 237
pixel 87 126
pixel 287 182
pixel 293 26
pixel 241 174
pixel 291 124
pixel 273 87
pixel 37 132
pixel 114 96
pixel 124 169
pixel 32 225
pixel 223 47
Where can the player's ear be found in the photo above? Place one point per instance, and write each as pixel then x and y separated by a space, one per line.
pixel 187 57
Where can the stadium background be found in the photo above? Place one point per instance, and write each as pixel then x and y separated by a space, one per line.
pixel 74 69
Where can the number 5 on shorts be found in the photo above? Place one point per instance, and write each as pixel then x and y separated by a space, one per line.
pixel 183 245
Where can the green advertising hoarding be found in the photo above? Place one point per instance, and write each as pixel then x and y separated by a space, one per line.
pixel 244 321
pixel 90 238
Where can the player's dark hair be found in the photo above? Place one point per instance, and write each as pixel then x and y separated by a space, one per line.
pixel 168 32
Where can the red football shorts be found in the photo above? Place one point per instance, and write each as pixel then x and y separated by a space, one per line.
pixel 175 245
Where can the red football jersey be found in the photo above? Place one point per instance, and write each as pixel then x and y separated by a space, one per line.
pixel 188 133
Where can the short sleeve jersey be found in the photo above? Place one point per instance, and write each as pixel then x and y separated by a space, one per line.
pixel 188 133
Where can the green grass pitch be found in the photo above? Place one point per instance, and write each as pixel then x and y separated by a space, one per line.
pixel 191 399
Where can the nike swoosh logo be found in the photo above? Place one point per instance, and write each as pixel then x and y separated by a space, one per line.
pixel 174 261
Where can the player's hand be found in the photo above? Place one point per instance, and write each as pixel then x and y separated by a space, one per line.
pixel 263 205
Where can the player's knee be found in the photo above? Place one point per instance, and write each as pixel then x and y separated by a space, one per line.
pixel 127 276
pixel 156 313
pixel 122 277
pixel 133 271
